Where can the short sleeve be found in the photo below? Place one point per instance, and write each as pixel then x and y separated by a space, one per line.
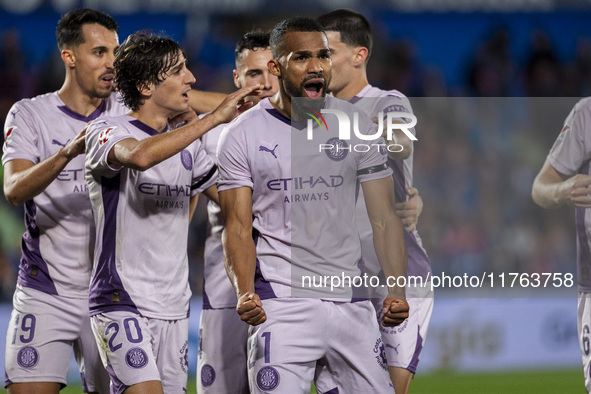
pixel 204 169
pixel 372 160
pixel 234 167
pixel 569 151
pixel 101 137
pixel 21 135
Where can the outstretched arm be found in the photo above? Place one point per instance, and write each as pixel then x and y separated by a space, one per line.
pixel 144 154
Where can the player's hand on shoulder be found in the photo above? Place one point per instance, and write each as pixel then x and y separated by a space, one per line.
pixel 234 104
pixel 250 309
pixel 183 118
pixel 77 145
pixel 410 210
pixel 395 311
pixel 578 193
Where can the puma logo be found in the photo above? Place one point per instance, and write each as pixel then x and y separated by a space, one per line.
pixel 392 347
pixel 56 142
pixel 265 149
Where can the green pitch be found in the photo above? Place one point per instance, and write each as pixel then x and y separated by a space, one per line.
pixel 539 382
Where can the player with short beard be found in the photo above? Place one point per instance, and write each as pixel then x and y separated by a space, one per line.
pixel 43 168
pixel 297 330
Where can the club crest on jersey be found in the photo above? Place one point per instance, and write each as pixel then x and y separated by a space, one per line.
pixel 187 160
pixel 27 357
pixel 380 350
pixel 339 149
pixel 268 378
pixel 207 375
pixel 136 358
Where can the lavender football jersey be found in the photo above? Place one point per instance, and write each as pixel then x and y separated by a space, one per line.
pixel 57 246
pixel 571 155
pixel 372 101
pixel 140 262
pixel 217 288
pixel 303 198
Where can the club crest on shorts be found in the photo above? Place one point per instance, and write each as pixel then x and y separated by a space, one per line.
pixel 268 378
pixel 27 357
pixel 136 358
pixel 339 149
pixel 186 159
pixel 207 375
pixel 380 350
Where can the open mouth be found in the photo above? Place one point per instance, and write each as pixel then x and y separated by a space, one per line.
pixel 108 78
pixel 314 88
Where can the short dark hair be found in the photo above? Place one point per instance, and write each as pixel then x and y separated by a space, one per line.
pixel 69 27
pixel 143 58
pixel 296 24
pixel 354 28
pixel 252 40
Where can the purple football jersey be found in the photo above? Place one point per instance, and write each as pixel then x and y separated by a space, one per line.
pixel 303 199
pixel 372 101
pixel 141 263
pixel 570 155
pixel 58 244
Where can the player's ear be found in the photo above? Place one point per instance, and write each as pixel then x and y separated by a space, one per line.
pixel 274 67
pixel 236 79
pixel 360 55
pixel 146 89
pixel 69 58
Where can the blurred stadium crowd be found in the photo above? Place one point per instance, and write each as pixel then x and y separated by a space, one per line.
pixel 482 139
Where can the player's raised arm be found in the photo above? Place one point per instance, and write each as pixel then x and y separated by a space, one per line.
pixel 552 189
pixel 146 153
pixel 388 238
pixel 240 252
pixel 234 104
